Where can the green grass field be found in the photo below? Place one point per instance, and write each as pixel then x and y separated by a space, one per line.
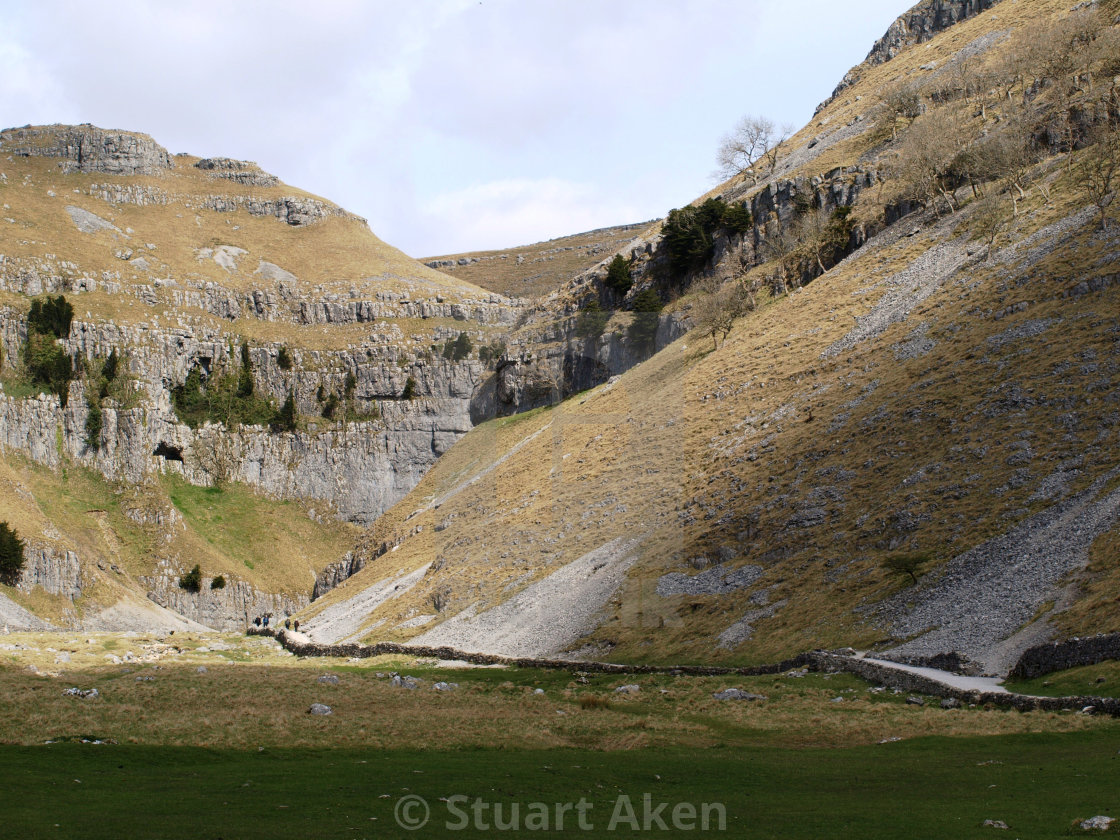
pixel 928 788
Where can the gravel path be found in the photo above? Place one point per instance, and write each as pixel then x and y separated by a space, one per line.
pixel 946 677
pixel 987 594
pixel 546 617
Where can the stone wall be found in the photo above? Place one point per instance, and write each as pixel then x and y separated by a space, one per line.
pixel 814 660
pixel 1071 653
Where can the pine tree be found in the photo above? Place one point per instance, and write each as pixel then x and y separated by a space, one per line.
pixel 11 554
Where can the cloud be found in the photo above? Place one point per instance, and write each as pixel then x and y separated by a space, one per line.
pixel 505 213
pixel 400 110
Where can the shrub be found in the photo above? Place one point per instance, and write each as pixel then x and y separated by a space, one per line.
pixel 93 424
pixel 245 384
pixel 51 316
pixel 48 364
pixel 284 420
pixel 217 583
pixel 330 406
pixel 11 554
pixel 619 279
pixel 409 391
pixel 192 580
pixel 350 385
pixel 284 358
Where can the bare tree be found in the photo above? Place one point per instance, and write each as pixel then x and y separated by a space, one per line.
pixel 925 163
pixel 782 245
pixel 752 139
pixel 903 103
pixel 990 218
pixel 1098 173
pixel 721 303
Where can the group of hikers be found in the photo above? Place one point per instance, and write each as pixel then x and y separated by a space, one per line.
pixel 265 619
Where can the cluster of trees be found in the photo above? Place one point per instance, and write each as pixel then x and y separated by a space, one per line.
pixel 48 365
pixel 1041 97
pixel 226 396
pixel 458 349
pixel 689 234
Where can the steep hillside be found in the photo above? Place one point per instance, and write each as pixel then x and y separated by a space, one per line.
pixel 169 323
pixel 530 271
pixel 909 440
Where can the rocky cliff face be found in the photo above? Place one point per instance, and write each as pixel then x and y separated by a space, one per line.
pixel 57 571
pixel 232 607
pixel 918 25
pixel 86 148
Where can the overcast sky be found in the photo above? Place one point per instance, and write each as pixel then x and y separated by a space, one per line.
pixel 451 125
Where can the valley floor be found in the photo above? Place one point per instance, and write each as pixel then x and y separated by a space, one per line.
pixel 200 735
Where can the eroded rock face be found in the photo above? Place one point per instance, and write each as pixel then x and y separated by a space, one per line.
pixel 86 148
pixel 231 608
pixel 56 570
pixel 915 27
pixel 240 171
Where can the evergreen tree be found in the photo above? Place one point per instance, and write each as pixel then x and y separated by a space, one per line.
pixel 93 425
pixel 285 417
pixel 409 391
pixel 11 554
pixel 619 279
pixel 284 358
pixel 245 380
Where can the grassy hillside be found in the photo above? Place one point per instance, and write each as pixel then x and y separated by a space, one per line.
pixel 530 271
pixel 928 393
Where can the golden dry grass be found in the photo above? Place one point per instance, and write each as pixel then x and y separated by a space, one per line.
pixel 253 695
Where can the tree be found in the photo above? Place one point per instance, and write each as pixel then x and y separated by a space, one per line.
pixel 903 103
pixel 618 278
pixel 925 164
pixel 48 363
pixel 752 139
pixel 990 218
pixel 409 391
pixel 192 580
pixel 285 418
pixel 93 424
pixel 284 358
pixel 1098 173
pixel 905 564
pixel 330 406
pixel 643 329
pixel 219 582
pixel 592 320
pixel 245 379
pixel 782 245
pixel 109 369
pixel 11 554
pixel 51 316
pixel 719 305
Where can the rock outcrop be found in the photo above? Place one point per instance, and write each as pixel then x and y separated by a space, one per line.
pixel 57 571
pixel 232 607
pixel 86 148
pixel 240 171
pixel 917 26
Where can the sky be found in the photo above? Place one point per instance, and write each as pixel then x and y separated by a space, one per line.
pixel 450 125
